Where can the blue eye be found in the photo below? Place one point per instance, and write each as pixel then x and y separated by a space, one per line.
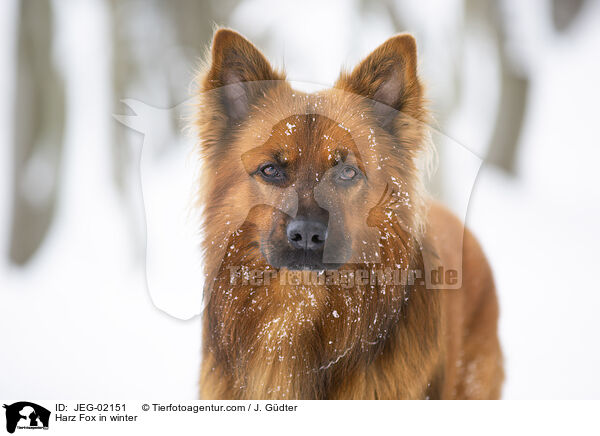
pixel 348 173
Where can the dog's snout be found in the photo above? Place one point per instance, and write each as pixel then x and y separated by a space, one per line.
pixel 307 235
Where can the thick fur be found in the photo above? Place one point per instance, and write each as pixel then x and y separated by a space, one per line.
pixel 326 341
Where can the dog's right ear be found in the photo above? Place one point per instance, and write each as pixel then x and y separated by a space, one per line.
pixel 388 78
pixel 238 72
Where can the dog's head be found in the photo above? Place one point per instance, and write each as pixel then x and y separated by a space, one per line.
pixel 308 181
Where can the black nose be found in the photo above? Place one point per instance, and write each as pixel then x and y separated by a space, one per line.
pixel 307 235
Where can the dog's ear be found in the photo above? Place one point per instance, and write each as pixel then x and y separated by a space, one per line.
pixel 239 71
pixel 388 77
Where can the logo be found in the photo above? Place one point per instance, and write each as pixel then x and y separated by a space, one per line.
pixel 26 415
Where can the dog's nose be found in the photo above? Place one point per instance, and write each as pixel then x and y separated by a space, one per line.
pixel 307 235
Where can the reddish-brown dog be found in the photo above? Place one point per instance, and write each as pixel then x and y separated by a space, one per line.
pixel 296 185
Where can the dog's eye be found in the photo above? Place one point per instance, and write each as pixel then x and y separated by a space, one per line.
pixel 270 171
pixel 348 173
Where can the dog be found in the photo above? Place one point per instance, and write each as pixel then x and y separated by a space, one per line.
pixel 318 235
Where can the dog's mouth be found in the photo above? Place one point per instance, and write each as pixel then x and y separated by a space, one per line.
pixel 298 260
pixel 281 256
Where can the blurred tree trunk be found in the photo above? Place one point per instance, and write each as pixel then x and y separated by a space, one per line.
pixel 565 12
pixel 514 89
pixel 39 125
pixel 156 47
pixel 514 86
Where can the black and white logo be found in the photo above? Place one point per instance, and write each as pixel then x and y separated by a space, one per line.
pixel 26 415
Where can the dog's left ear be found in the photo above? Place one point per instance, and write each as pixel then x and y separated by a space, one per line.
pixel 388 77
pixel 238 73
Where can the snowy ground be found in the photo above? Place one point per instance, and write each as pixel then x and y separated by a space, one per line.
pixel 78 321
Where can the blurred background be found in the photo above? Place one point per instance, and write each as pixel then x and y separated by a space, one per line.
pixel 514 82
